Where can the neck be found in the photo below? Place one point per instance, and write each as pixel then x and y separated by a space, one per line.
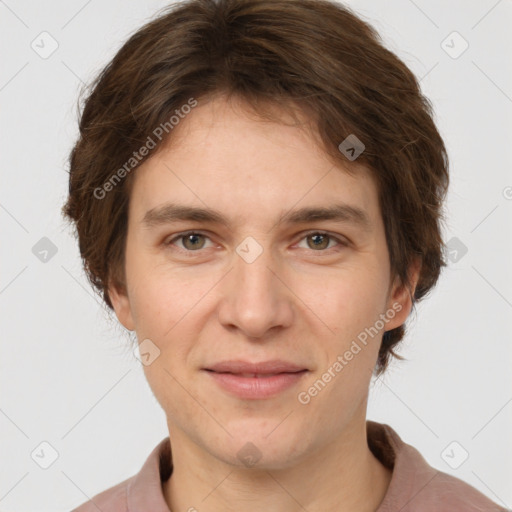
pixel 340 476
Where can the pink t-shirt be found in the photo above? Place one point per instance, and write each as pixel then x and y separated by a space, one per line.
pixel 415 486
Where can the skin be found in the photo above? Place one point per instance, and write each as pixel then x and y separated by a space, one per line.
pixel 201 303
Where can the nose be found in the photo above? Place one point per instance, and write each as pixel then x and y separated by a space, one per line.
pixel 255 298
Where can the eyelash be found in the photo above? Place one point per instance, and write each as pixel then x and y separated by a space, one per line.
pixel 341 243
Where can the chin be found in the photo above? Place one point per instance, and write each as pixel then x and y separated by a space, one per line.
pixel 261 444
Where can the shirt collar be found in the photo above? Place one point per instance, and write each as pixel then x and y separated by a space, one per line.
pixel 145 491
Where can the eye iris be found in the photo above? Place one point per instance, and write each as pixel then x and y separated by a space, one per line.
pixel 319 244
pixel 191 237
pixel 320 241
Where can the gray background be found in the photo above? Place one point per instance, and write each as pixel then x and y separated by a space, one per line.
pixel 67 378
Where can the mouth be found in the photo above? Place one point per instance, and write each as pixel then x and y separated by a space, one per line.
pixel 258 370
pixel 255 385
pixel 256 375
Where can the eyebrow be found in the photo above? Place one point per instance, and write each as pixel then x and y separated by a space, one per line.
pixel 170 212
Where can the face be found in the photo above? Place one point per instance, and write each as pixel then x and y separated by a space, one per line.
pixel 260 280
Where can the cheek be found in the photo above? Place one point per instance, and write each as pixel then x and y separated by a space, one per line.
pixel 348 300
pixel 170 309
pixel 159 298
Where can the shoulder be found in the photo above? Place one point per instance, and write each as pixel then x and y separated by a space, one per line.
pixel 142 491
pixel 448 493
pixel 417 486
pixel 113 499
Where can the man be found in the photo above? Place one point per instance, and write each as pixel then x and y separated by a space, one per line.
pixel 258 189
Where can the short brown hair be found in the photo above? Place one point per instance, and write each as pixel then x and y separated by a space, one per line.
pixel 314 54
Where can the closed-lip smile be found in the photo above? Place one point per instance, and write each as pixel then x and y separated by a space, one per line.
pixel 270 367
pixel 254 381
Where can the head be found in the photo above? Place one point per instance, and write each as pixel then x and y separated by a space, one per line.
pixel 240 107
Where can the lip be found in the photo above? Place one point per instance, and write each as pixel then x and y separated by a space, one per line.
pixel 265 367
pixel 255 381
pixel 256 388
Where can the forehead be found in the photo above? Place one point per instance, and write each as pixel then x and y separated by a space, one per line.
pixel 224 157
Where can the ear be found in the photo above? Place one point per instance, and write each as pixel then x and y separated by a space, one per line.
pixel 121 304
pixel 400 297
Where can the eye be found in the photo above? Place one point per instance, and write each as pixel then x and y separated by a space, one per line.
pixel 319 240
pixel 192 241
